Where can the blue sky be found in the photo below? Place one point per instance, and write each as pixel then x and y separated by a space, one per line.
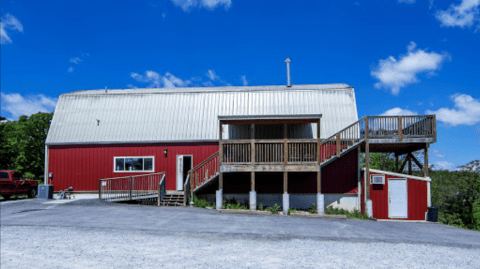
pixel 402 57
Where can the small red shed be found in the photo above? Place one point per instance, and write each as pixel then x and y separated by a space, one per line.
pixel 398 196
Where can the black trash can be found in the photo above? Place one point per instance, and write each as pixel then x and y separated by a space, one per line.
pixel 432 214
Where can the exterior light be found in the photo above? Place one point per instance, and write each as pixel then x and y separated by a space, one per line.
pixel 165 151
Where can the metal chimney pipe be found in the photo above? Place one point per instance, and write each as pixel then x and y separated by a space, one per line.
pixel 288 60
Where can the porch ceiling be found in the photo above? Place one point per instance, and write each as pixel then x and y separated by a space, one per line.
pixel 270 119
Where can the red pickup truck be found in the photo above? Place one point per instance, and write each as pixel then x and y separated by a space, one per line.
pixel 12 183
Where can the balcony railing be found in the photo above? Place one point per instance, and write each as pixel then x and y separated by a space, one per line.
pixel 294 151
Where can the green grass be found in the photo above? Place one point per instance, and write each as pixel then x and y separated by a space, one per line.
pixel 233 204
pixel 274 209
pixel 351 215
pixel 201 203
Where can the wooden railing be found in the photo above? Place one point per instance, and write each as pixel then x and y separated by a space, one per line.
pixel 129 187
pixel 385 127
pixel 306 150
pixel 204 171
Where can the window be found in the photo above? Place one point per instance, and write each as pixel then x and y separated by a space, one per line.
pixel 4 175
pixel 377 179
pixel 17 176
pixel 134 164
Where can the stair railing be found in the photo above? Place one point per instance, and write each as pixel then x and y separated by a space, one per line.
pixel 186 189
pixel 345 138
pixel 161 190
pixel 204 171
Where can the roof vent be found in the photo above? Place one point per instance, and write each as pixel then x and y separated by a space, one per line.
pixel 288 60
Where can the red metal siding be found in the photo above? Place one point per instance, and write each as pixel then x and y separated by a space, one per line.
pixel 82 165
pixel 417 198
pixel 341 175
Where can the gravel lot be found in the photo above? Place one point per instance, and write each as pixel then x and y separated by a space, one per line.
pixel 93 234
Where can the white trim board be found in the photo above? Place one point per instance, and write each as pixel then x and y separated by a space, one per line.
pixel 427 179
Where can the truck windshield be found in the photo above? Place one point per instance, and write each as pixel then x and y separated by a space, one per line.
pixel 4 175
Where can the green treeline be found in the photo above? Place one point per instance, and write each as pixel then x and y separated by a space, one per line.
pixel 22 144
pixel 455 193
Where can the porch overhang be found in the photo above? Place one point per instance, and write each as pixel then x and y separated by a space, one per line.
pixel 270 119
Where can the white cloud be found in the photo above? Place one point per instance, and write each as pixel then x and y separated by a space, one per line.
pixel 462 15
pixel 398 112
pixel 156 80
pixel 212 75
pixel 187 5
pixel 244 80
pixel 437 154
pixel 18 105
pixel 395 74
pixel 75 60
pixel 407 1
pixel 466 111
pixel 10 23
pixel 70 69
pixel 444 165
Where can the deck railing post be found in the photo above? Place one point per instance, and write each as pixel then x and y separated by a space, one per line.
pixel 400 128
pixel 130 179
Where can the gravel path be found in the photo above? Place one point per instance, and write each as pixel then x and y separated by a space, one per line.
pixel 90 233
pixel 64 247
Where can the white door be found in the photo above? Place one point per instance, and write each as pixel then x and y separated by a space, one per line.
pixel 397 198
pixel 179 173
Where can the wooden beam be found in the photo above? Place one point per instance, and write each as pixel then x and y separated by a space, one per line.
pixel 403 165
pixel 400 128
pixel 318 141
pixel 425 159
pixel 367 170
pixel 229 168
pixel 339 142
pixel 252 144
pixel 285 144
pixel 252 181
pixel 220 143
pixel 416 161
pixel 319 181
pixel 285 182
pixel 409 164
pixel 220 181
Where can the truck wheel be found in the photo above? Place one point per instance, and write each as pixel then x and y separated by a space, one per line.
pixel 32 193
pixel 6 196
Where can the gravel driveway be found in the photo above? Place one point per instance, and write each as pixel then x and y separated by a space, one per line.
pixel 94 234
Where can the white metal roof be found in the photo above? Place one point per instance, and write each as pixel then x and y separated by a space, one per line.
pixel 189 114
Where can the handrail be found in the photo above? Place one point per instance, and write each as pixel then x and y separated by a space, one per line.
pixel 186 189
pixel 129 187
pixel 204 171
pixel 161 190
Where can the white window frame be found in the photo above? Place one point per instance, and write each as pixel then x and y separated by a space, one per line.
pixel 371 179
pixel 136 171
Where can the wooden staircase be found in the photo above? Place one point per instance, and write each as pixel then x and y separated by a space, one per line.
pixel 174 198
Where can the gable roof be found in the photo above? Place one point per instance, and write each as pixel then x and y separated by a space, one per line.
pixel 189 114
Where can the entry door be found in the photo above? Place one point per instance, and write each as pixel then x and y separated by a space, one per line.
pixel 179 173
pixel 397 198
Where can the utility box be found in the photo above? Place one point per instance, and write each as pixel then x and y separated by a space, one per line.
pixel 45 191
pixel 432 214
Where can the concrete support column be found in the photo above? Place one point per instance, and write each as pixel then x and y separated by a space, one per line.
pixel 369 208
pixel 320 204
pixel 219 199
pixel 253 200
pixel 286 203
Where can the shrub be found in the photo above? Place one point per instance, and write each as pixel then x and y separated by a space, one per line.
pixel 202 203
pixel 260 207
pixel 274 209
pixel 313 209
pixel 351 215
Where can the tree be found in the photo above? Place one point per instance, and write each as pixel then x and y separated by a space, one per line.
pixel 22 144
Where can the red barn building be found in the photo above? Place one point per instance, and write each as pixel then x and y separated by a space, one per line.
pixel 290 145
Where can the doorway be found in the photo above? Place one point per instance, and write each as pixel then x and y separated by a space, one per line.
pixel 184 164
pixel 397 198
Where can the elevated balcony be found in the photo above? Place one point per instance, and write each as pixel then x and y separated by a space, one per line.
pixel 291 143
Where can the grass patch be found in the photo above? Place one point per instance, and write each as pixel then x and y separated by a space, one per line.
pixel 233 204
pixel 351 215
pixel 201 203
pixel 274 209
